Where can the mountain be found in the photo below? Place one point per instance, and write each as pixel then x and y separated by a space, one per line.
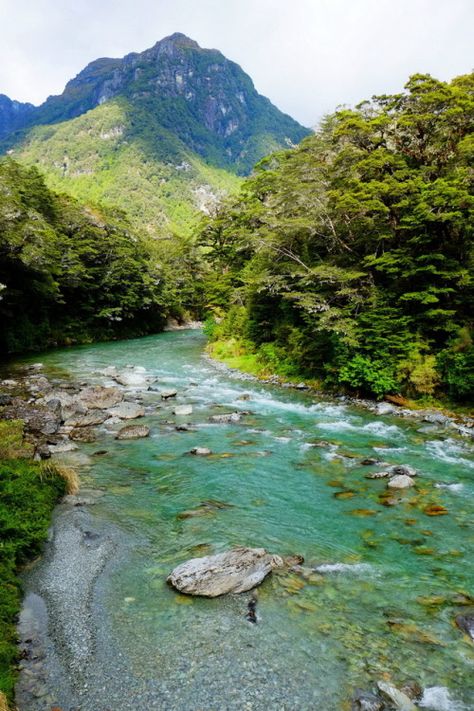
pixel 162 133
pixel 200 96
pixel 13 115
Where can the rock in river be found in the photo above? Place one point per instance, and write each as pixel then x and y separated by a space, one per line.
pixel 365 701
pixel 225 418
pixel 127 411
pixel 396 697
pixel 101 398
pixel 89 420
pixel 133 432
pixel 183 410
pixel 466 624
pixel 200 451
pixel 234 571
pixel 166 394
pixel 402 481
pixel 83 434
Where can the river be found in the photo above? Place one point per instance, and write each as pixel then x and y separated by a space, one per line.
pixel 110 635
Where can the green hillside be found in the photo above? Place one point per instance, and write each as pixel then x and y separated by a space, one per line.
pixel 120 156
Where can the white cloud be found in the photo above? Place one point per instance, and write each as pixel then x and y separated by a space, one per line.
pixel 307 56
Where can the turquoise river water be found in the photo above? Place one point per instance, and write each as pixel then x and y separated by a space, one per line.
pixel 390 579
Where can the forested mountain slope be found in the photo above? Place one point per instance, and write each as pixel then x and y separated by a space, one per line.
pixel 351 258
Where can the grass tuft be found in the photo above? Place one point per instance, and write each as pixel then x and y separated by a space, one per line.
pixel 52 470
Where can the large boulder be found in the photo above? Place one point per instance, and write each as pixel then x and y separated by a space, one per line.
pixel 98 397
pixel 133 432
pixel 83 434
pixel 89 420
pixel 127 411
pixel 234 571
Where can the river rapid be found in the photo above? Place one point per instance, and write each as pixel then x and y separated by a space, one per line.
pixel 382 583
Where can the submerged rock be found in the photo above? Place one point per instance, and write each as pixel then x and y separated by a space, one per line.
pixel 401 481
pixel 234 571
pixel 400 700
pixel 133 432
pixel 466 624
pixel 365 701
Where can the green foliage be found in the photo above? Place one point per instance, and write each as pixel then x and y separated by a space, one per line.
pixel 70 273
pixel 353 253
pixel 456 364
pixel 27 497
pixel 370 377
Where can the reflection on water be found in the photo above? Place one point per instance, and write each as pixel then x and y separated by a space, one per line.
pixel 382 583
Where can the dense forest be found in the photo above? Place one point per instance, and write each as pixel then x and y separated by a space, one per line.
pixel 350 258
pixel 68 272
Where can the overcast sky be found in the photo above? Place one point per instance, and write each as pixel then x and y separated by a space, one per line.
pixel 307 56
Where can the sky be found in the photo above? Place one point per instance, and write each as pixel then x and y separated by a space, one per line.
pixel 307 56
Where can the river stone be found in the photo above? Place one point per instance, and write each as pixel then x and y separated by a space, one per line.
pixel 365 701
pixel 89 420
pixel 400 700
pixel 402 481
pixel 83 434
pixel 182 410
pixel 166 394
pixel 133 432
pixel 466 624
pixel 225 418
pixel 98 397
pixel 200 451
pixel 62 447
pixel 377 475
pixel 234 571
pixel 127 411
pixel 134 377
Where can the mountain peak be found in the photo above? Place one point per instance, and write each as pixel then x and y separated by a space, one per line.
pixel 207 101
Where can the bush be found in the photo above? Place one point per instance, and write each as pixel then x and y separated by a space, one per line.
pixel 371 377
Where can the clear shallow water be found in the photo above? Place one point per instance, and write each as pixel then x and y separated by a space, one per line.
pixel 383 600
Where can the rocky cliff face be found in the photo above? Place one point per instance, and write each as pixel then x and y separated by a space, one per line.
pixel 203 98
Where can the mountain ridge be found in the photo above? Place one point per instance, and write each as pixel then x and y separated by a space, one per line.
pixel 207 100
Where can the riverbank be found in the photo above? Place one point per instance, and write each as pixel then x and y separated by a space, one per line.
pixel 231 355
pixel 29 491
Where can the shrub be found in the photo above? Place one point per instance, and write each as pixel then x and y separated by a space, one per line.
pixel 372 377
